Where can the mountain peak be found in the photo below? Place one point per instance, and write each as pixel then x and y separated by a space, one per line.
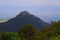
pixel 23 13
pixel 23 18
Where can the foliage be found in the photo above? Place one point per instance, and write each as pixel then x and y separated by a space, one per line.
pixel 27 32
pixel 53 38
pixel 58 38
pixel 9 36
pixel 47 33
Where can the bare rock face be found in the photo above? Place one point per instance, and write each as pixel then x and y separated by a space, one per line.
pixel 24 13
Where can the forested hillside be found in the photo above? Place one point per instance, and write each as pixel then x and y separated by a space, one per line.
pixel 28 32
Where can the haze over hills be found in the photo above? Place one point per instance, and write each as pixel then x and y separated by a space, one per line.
pixel 46 13
pixel 23 18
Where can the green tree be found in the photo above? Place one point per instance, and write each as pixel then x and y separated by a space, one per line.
pixel 56 27
pixel 27 32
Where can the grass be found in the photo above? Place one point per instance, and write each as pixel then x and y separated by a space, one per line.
pixel 58 38
pixel 52 38
pixel 9 36
pixel 55 38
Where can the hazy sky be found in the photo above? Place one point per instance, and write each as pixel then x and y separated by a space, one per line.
pixel 47 10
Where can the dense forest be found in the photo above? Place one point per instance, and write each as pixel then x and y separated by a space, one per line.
pixel 28 32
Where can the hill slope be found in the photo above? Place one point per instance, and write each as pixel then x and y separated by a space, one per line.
pixel 23 18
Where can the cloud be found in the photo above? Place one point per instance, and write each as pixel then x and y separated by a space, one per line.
pixel 30 2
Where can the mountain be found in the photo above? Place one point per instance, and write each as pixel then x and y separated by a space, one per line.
pixel 23 18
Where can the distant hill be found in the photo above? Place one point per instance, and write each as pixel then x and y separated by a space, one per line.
pixel 2 20
pixel 23 18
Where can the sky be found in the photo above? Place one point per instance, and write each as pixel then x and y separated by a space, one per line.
pixel 47 10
